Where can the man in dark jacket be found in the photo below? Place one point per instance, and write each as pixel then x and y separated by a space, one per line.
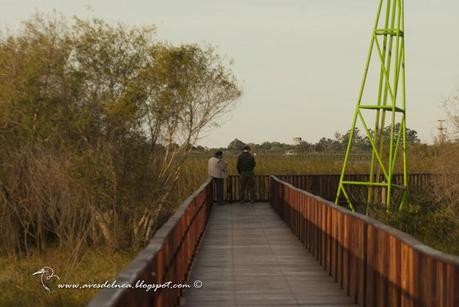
pixel 245 168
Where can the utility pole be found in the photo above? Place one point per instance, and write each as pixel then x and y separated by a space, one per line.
pixel 441 132
pixel 385 110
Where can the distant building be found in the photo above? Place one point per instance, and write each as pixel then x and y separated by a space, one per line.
pixel 297 140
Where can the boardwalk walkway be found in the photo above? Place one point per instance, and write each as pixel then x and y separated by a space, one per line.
pixel 249 257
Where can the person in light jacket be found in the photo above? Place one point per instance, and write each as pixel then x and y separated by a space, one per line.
pixel 218 171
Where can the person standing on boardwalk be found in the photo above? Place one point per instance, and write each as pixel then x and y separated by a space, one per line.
pixel 217 169
pixel 245 167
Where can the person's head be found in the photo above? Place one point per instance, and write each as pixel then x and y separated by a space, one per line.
pixel 219 154
pixel 246 148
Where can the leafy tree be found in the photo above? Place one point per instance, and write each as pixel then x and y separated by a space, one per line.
pixel 326 145
pixel 236 144
pixel 411 135
pixel 360 141
pixel 98 120
pixel 305 146
pixel 265 146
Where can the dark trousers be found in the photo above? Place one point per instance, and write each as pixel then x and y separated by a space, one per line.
pixel 218 189
pixel 247 186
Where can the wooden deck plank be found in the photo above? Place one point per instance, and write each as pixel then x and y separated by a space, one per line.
pixel 249 257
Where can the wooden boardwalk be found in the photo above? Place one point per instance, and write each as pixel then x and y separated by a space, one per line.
pixel 249 257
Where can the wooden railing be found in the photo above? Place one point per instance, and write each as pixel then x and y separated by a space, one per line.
pixel 324 186
pixel 375 264
pixel 166 258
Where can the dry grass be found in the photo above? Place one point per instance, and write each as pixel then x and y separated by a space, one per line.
pixel 20 288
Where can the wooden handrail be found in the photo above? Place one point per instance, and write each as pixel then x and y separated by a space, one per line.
pixel 324 228
pixel 375 264
pixel 167 257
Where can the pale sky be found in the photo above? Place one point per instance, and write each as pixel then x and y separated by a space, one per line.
pixel 299 62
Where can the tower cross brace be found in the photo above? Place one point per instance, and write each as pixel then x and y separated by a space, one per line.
pixel 386 113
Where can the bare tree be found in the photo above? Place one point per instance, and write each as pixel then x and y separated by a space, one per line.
pixel 189 89
pixel 452 109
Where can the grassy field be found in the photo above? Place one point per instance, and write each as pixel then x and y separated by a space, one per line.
pixel 279 164
pixel 425 219
pixel 20 288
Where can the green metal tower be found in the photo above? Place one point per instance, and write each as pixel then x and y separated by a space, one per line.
pixel 385 111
